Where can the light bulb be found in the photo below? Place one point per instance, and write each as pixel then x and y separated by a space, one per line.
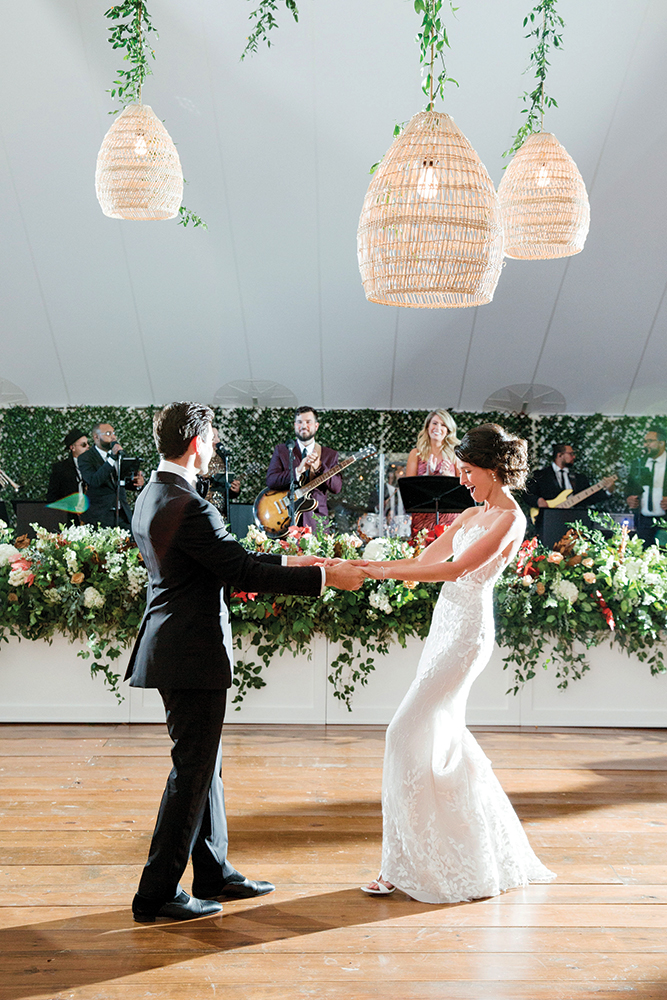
pixel 140 147
pixel 427 182
pixel 543 178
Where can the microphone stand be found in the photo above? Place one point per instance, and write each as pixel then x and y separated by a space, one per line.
pixel 225 457
pixel 292 480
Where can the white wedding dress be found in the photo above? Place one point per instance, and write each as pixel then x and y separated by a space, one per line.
pixel 449 831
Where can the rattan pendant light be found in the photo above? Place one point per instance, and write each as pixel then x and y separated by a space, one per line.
pixel 430 233
pixel 138 173
pixel 544 202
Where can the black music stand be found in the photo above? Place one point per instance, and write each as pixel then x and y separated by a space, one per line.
pixel 434 495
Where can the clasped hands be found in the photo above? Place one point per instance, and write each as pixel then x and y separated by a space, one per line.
pixel 344 574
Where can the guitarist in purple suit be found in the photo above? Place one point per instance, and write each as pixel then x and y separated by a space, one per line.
pixel 309 459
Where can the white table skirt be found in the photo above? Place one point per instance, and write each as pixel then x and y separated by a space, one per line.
pixel 49 683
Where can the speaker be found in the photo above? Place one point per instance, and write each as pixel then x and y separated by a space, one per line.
pixel 240 518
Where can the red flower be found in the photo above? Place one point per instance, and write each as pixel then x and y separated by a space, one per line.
pixel 295 532
pixel 606 611
pixel 241 595
pixel 525 553
pixel 435 532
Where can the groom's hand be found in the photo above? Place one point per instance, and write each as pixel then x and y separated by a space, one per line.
pixel 344 575
pixel 304 560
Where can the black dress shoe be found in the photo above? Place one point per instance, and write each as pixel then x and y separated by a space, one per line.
pixel 181 907
pixel 243 888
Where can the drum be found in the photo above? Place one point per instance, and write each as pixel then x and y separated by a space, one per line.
pixel 369 525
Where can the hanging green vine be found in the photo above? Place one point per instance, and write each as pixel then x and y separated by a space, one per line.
pixel 545 24
pixel 265 21
pixel 432 39
pixel 130 31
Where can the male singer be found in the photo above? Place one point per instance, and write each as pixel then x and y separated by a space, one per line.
pixel 309 460
pixel 647 485
pixel 184 650
pixel 100 468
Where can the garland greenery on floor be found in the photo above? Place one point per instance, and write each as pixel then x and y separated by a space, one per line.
pixel 89 584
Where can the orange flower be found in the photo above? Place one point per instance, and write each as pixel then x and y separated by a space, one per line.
pixel 13 598
pixel 22 542
pixel 77 577
pixel 540 588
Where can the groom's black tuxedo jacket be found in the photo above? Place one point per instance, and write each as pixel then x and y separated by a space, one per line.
pixel 185 640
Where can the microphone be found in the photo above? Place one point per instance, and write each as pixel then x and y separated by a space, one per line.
pixel 220 450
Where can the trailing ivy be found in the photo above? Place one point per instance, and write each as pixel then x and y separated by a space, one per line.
pixel 545 24
pixel 130 31
pixel 265 21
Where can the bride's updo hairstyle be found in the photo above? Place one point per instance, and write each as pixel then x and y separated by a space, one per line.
pixel 490 447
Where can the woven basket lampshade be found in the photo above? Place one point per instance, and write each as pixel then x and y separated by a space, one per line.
pixel 138 173
pixel 544 202
pixel 430 233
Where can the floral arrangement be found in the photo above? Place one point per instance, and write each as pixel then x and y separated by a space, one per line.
pixel 588 590
pixel 89 584
pixel 372 617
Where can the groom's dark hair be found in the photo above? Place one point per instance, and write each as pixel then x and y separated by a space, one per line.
pixel 177 424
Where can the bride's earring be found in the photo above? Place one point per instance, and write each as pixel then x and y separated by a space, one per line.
pixel 493 476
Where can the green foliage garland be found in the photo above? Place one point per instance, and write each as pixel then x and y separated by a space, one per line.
pixel 545 23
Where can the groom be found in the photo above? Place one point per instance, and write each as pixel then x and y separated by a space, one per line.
pixel 184 649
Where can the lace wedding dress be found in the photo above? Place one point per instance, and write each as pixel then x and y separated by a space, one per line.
pixel 449 831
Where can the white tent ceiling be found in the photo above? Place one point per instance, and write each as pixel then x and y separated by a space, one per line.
pixel 276 151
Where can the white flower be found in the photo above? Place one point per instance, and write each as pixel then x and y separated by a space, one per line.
pixel 18 577
pixel 8 554
pixel 53 596
pixel 352 540
pixel 588 563
pixel 378 599
pixel 71 561
pixel 550 603
pixel 589 578
pixel 114 565
pixel 526 581
pixel 376 549
pixel 137 577
pixel 92 598
pixel 565 590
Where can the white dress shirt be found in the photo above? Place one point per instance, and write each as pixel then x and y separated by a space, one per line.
pixel 562 476
pixel 652 495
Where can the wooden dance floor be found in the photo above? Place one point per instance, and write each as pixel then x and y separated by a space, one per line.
pixel 78 804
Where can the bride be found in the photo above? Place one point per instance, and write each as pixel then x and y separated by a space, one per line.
pixel 449 831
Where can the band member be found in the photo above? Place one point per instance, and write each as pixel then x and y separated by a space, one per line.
pixel 647 485
pixel 548 483
pixel 309 460
pixel 100 469
pixel 65 478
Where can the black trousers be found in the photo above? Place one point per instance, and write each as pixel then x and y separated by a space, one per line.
pixel 646 527
pixel 191 820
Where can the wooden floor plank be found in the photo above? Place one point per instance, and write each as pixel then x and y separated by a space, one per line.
pixel 78 808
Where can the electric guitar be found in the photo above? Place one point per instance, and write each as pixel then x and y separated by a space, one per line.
pixel 565 499
pixel 275 511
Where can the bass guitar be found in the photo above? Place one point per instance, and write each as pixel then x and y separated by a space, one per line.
pixel 276 511
pixel 566 499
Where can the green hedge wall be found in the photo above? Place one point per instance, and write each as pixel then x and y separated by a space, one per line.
pixel 31 440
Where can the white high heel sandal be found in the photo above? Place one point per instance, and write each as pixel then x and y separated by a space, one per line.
pixel 382 889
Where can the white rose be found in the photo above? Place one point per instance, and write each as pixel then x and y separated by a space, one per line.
pixel 18 577
pixel 8 554
pixel 92 598
pixel 376 549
